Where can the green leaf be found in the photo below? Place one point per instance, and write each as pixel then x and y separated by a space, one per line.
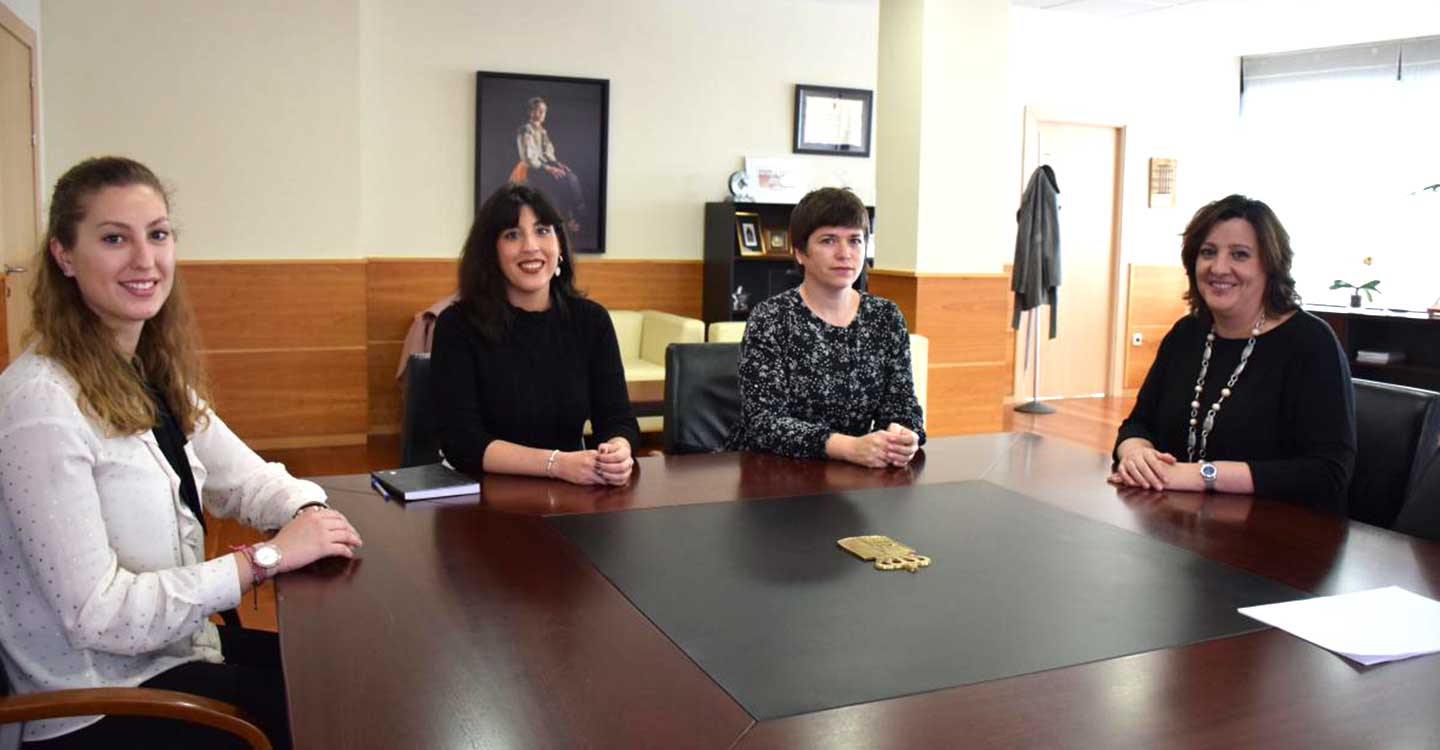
pixel 1341 285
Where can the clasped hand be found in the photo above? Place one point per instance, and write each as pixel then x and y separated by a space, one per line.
pixel 893 446
pixel 610 463
pixel 1141 465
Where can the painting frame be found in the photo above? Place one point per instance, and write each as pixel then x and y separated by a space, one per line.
pixel 749 233
pixel 575 125
pixel 833 121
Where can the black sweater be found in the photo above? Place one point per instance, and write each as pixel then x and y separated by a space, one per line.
pixel 1290 416
pixel 536 387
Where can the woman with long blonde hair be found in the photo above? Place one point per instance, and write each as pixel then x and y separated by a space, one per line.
pixel 109 460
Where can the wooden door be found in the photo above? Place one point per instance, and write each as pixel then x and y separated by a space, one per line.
pixel 1087 162
pixel 18 170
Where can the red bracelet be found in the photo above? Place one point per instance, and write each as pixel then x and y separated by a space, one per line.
pixel 257 573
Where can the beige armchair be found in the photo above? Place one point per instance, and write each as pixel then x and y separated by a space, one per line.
pixel 919 354
pixel 643 336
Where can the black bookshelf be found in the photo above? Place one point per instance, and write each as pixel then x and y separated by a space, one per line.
pixel 1414 334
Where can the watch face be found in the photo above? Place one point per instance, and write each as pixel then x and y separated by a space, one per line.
pixel 1209 471
pixel 266 556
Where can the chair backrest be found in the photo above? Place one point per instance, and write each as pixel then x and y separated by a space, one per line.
pixel 1421 514
pixel 629 328
pixel 419 433
pixel 1396 428
pixel 726 331
pixel 702 396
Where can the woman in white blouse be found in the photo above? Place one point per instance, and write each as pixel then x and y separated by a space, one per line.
pixel 107 451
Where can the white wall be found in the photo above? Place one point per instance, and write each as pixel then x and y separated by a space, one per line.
pixel 1172 78
pixel 345 128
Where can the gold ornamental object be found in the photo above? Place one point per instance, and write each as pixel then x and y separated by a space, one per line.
pixel 887 553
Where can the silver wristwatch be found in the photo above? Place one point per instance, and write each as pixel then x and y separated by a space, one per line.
pixel 1208 473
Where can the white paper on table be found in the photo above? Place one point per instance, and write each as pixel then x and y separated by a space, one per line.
pixel 1369 627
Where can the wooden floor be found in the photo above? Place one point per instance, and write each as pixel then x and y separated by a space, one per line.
pixel 1089 421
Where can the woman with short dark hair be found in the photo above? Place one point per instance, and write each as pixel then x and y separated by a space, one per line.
pixel 825 369
pixel 1252 392
pixel 524 359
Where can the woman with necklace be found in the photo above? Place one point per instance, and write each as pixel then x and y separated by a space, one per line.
pixel 825 369
pixel 1248 393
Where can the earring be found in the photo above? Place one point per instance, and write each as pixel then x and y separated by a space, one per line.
pixel 559 261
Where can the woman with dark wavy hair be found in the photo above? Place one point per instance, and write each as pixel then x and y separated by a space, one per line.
pixel 108 451
pixel 524 359
pixel 1252 392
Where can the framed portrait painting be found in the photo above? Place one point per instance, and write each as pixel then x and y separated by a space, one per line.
pixel 551 133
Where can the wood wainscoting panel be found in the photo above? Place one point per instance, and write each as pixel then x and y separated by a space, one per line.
pixel 965 317
pixel 386 398
pixel 1154 301
pixel 671 286
pixel 899 287
pixel 398 288
pixel 257 304
pixel 966 398
pixel 291 398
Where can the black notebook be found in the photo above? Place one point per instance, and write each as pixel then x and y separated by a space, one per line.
pixel 423 483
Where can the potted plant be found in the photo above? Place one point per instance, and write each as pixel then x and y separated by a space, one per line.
pixel 1370 288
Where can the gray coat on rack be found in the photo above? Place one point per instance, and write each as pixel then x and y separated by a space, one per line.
pixel 1035 278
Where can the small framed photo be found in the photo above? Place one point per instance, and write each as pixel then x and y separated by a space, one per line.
pixel 777 241
pixel 748 233
pixel 833 121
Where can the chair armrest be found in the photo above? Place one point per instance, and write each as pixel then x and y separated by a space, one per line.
pixel 163 704
pixel 662 329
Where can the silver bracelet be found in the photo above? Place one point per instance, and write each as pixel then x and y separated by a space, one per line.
pixel 550 463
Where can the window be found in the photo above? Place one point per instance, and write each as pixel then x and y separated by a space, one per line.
pixel 1343 143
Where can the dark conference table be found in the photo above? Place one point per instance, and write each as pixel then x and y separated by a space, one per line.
pixel 481 625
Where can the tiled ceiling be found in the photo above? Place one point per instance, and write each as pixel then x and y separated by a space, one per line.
pixel 1104 8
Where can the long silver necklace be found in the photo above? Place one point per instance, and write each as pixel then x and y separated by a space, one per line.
pixel 1209 422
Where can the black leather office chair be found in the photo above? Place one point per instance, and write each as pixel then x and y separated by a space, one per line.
pixel 702 396
pixel 1396 429
pixel 15 710
pixel 1421 514
pixel 419 433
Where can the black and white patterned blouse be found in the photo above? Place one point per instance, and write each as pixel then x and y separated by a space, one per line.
pixel 802 379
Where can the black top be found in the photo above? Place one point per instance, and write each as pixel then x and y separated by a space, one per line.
pixel 802 379
pixel 552 371
pixel 172 443
pixel 1290 416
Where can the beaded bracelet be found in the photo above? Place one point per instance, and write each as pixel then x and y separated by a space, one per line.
pixel 550 463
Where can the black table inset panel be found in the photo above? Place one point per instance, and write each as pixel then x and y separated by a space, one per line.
pixel 761 597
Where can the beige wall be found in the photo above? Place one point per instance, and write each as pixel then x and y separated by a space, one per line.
pixel 1173 79
pixel 345 128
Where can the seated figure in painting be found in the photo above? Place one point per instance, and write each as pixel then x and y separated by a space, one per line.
pixel 540 167
pixel 825 369
pixel 1248 393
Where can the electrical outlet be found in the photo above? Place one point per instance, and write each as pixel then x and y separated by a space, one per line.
pixel 1137 339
